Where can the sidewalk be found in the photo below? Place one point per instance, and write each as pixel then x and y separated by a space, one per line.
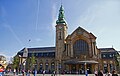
pixel 51 75
pixel 62 75
pixel 65 75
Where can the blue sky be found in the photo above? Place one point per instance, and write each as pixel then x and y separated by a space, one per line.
pixel 24 20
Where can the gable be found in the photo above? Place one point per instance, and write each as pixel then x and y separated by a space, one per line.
pixel 82 32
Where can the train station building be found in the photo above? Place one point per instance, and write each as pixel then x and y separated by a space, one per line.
pixel 73 53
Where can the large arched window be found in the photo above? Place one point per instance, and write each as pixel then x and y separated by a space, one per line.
pixel 80 47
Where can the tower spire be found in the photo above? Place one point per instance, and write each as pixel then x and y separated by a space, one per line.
pixel 61 17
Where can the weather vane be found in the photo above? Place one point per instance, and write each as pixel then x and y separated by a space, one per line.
pixel 61 2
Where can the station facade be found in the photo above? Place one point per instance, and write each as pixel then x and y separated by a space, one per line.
pixel 73 53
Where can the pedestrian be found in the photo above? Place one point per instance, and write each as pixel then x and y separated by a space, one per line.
pixel 96 73
pixel 14 71
pixel 114 73
pixel 100 73
pixel 43 72
pixel 54 73
pixel 23 72
pixel 108 74
pixel 28 73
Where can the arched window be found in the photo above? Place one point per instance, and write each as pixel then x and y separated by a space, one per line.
pixel 46 66
pixel 52 66
pixel 41 66
pixel 80 47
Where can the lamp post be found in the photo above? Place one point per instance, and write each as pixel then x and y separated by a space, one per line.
pixel 86 74
pixel 20 62
pixel 35 66
pixel 35 71
pixel 24 68
pixel 85 64
pixel 24 65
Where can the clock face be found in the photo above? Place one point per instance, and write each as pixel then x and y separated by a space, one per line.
pixel 60 27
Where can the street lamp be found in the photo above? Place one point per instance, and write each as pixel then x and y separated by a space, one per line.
pixel 24 65
pixel 85 66
pixel 20 63
pixel 85 69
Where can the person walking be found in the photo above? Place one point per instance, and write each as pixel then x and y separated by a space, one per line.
pixel 100 73
pixel 108 74
pixel 43 72
pixel 96 73
pixel 114 73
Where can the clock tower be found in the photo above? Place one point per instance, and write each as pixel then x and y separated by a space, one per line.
pixel 61 33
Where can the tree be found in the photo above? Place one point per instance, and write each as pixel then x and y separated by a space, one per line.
pixel 16 61
pixel 33 59
pixel 30 62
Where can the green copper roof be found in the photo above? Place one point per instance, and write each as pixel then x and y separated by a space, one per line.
pixel 61 17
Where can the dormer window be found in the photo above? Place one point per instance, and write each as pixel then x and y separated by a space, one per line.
pixel 104 55
pixel 110 56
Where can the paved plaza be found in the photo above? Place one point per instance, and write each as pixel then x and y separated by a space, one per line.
pixel 66 75
pixel 49 75
pixel 55 75
pixel 62 75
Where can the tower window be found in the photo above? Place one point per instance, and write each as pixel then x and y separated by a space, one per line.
pixel 60 36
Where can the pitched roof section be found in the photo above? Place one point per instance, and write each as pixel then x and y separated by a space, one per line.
pixel 107 49
pixel 80 30
pixel 40 49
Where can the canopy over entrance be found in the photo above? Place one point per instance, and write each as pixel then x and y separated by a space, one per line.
pixel 74 61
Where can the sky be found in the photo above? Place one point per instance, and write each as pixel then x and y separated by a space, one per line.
pixel 31 23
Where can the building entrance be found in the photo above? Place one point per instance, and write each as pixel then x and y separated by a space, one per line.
pixel 73 69
pixel 80 68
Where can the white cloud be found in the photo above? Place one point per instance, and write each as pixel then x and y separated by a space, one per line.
pixel 103 19
pixel 37 14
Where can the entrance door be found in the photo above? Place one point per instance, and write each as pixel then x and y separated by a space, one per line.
pixel 73 69
pixel 89 68
pixel 82 68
